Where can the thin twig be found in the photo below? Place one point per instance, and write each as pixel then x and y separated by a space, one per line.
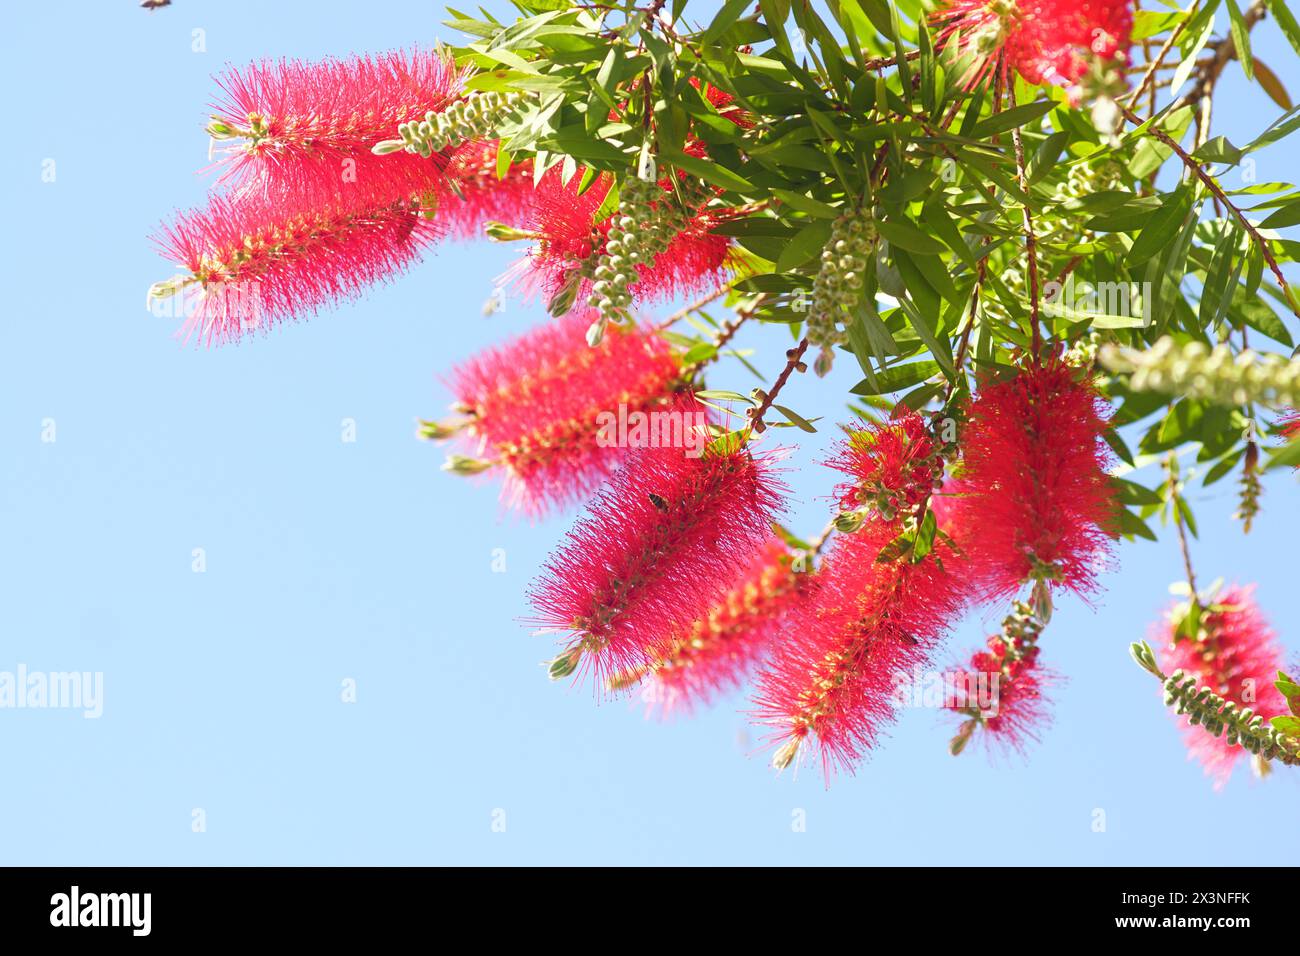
pixel 693 307
pixel 1156 64
pixel 794 359
pixel 1171 466
pixel 884 62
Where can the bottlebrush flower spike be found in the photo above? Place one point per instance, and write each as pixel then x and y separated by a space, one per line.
pixel 715 654
pixel 1009 670
pixel 1235 654
pixel 1035 502
pixel 476 195
pixel 545 407
pixel 894 469
pixel 873 616
pixel 253 266
pixel 1045 41
pixel 658 546
pixel 302 132
pixel 834 682
pixel 562 264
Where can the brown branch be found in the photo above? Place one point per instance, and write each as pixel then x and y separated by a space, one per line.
pixel 1157 63
pixel 693 307
pixel 1171 467
pixel 794 360
pixel 884 62
pixel 1219 195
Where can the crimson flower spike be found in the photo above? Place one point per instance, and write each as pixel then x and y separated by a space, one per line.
pixel 555 415
pixel 1289 424
pixel 1034 503
pixel 301 133
pixel 478 195
pixel 1001 691
pixel 657 547
pixel 1053 42
pixel 570 241
pixel 249 265
pixel 717 652
pixel 1236 655
pixel 882 603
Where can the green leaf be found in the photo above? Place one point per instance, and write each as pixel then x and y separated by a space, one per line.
pixel 726 18
pixel 1130 526
pixel 1011 119
pixel 792 541
pixel 1160 227
pixel 1287 21
pixel 1223 467
pixel 1131 493
pixel 901 233
pixel 924 537
pixel 699 353
pixel 1291 691
pixel 1048 153
pixel 1188 62
pixel 1219 150
pixel 1240 38
pixel 708 171
pixel 1288 456
pixel 804 203
pixel 721 395
pixel 806 244
pixel 1287 725
pixel 897 377
pixel 795 418
pixel 1288 215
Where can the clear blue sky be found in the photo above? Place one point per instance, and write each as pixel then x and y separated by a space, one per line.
pixel 329 560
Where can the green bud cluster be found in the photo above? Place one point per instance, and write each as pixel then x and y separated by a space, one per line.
pixel 1251 488
pixel 1083 179
pixel 1219 716
pixel 1214 374
pixel 642 227
pixel 837 290
pixel 475 117
pixel 1083 353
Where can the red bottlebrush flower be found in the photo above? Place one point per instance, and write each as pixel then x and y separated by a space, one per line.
pixel 717 652
pixel 657 547
pixel 301 133
pixel 723 102
pixel 835 680
pixel 869 620
pixel 1237 656
pixel 1289 423
pixel 1009 675
pixel 253 266
pixel 894 467
pixel 1035 502
pixel 570 238
pixel 477 195
pixel 1045 41
pixel 542 405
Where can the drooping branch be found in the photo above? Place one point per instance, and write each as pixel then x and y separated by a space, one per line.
pixel 1203 707
pixel 1199 171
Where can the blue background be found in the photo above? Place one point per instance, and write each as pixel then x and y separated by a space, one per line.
pixel 329 560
